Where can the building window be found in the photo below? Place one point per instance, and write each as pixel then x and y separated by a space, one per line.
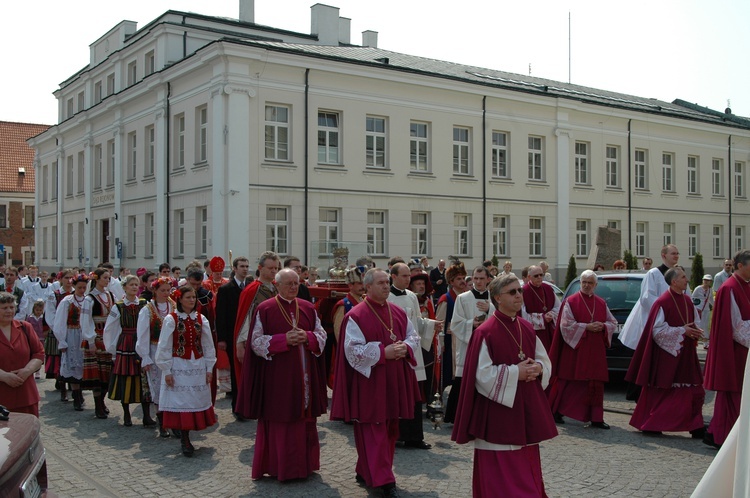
pixel 3 216
pixel 148 170
pixel 69 241
pixel 500 235
pixel 80 236
pixel 692 240
pixel 149 63
pixel 536 159
pixel 418 147
pixel 739 238
pixel 69 177
pixel 132 73
pixel 717 236
pixel 641 169
pixel 641 239
pixel 536 236
pixel 55 173
pixel 328 230
pixel 111 163
pixel 461 151
pixel 582 238
pixel 179 143
pixel 277 132
pixel 613 224
pixel 70 108
pixel 28 216
pixel 150 235
pixel 54 242
pixel 132 233
pixel 612 166
pixel 376 223
pixel 97 92
pixel 98 166
pixel 81 101
pixel 45 182
pixel 132 155
pixel 500 155
pixel 277 229
pixel 692 175
pixel 202 139
pixel 375 142
pixel 461 224
pixel 201 215
pixel 111 84
pixel 717 182
pixel 81 172
pixel 44 243
pixel 739 179
pixel 668 233
pixel 420 233
pixel 179 232
pixel 667 172
pixel 328 138
pixel 582 163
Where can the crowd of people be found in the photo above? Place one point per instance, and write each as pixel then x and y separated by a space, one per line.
pixel 516 359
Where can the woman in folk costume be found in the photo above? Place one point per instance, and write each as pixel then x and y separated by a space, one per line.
pixel 97 363
pixel 67 329
pixel 120 335
pixel 186 357
pixel 52 354
pixel 150 321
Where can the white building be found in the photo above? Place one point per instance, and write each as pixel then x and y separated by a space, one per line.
pixel 197 135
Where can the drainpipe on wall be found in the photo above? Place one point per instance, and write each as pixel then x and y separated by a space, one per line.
pixel 484 179
pixel 630 191
pixel 729 193
pixel 169 150
pixel 307 160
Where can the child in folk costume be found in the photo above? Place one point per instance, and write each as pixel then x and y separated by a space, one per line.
pixel 52 354
pixel 36 319
pixel 186 357
pixel 150 321
pixel 67 329
pixel 119 339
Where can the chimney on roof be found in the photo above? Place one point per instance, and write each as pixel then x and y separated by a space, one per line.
pixel 370 39
pixel 247 11
pixel 324 22
pixel 345 30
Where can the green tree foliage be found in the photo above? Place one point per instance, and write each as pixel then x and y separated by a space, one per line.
pixel 631 261
pixel 696 279
pixel 495 261
pixel 572 271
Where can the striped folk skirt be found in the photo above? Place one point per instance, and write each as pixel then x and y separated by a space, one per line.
pixel 97 365
pixel 125 382
pixel 51 356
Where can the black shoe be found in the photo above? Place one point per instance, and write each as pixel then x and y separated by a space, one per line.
pixel 652 433
pixel 162 431
pixel 698 433
pixel 419 445
pixel 187 448
pixel 600 425
pixel 176 432
pixel 390 490
pixel 64 395
pixel 359 479
pixel 238 417
pixel 708 439
pixel 558 418
pixel 78 401
pixel 126 420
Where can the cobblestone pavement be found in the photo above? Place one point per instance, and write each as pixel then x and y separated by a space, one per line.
pixel 91 457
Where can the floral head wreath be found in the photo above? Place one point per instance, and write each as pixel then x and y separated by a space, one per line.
pixel 176 294
pixel 93 276
pixel 161 281
pixel 80 278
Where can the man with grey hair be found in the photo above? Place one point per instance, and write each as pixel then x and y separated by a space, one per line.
pixel 540 305
pixel 723 275
pixel 665 364
pixel 579 355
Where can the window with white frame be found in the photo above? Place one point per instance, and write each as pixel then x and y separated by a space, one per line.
pixel 179 232
pixel 500 155
pixel 69 176
pixel 55 172
pixel 45 243
pixel 133 234
pixel 45 182
pixel 461 236
pixel 641 239
pixel 641 169
pixel 150 159
pixel 80 235
pixel 97 92
pixel 461 160
pixel 202 132
pixel 614 224
pixel 536 236
pixel 150 235
pixel 582 238
pixel 70 109
pixel 132 73
pixel 201 229
pixel 3 216
pixel 500 235
pixel 692 175
pixel 328 138
pixel 717 177
pixel 536 158
pixel 420 233
pixel 418 147
pixel 111 163
pixel 693 240
pixel 328 229
pixel 375 142
pixel 277 229
pixel 716 241
pixel 667 172
pixel 739 238
pixel 739 179
pixel 54 242
pixel 581 158
pixel 132 155
pixel 179 142
pixel 28 216
pixel 149 63
pixel 277 133
pixel 668 233
pixel 376 232
pixel 97 180
pixel 111 84
pixel 81 172
pixel 612 166
pixel 81 101
pixel 69 251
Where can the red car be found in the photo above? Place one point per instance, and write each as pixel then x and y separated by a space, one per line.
pixel 23 467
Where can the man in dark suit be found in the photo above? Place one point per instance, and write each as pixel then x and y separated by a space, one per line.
pixel 295 264
pixel 227 302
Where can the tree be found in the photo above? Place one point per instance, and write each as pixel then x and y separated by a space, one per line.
pixel 696 278
pixel 631 261
pixel 495 261
pixel 572 271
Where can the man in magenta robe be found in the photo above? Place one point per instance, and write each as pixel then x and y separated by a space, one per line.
pixel 730 338
pixel 375 383
pixel 284 384
pixel 540 306
pixel 665 364
pixel 502 407
pixel 579 355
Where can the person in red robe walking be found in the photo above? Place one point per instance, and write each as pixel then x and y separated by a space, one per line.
pixel 284 383
pixel 502 407
pixel 540 306
pixel 579 355
pixel 730 339
pixel 665 364
pixel 376 384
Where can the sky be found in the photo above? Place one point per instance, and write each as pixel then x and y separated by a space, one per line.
pixel 693 50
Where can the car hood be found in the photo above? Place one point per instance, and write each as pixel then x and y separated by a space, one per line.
pixel 18 432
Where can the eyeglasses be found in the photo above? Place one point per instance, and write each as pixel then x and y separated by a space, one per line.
pixel 513 292
pixel 536 275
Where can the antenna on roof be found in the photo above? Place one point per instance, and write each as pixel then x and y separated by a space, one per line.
pixel 569 48
pixel 529 68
